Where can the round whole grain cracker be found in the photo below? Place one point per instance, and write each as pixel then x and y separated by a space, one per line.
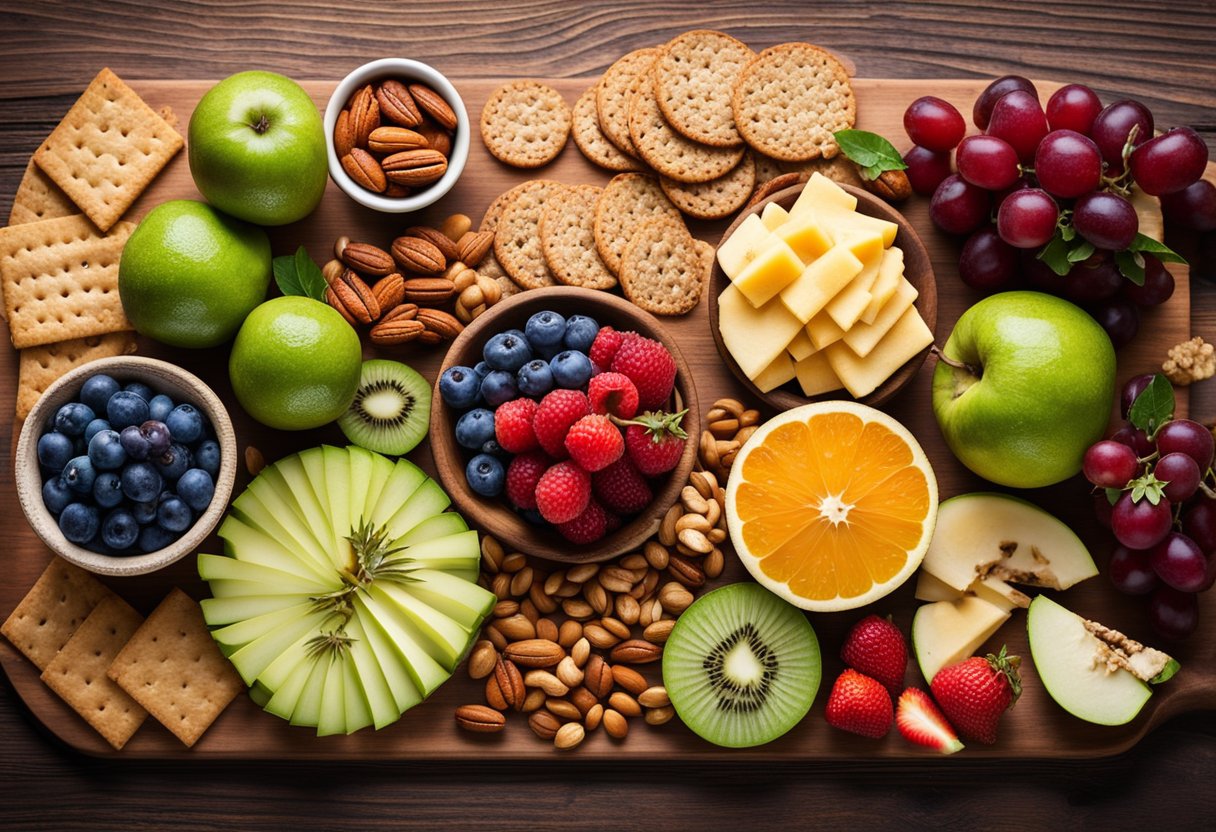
pixel 517 238
pixel 591 140
pixel 489 220
pixel 716 198
pixel 767 168
pixel 629 200
pixel 612 96
pixel 790 99
pixel 662 270
pixel 665 150
pixel 694 77
pixel 489 267
pixel 525 124
pixel 567 239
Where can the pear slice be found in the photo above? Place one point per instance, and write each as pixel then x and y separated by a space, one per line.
pixel 994 591
pixel 947 632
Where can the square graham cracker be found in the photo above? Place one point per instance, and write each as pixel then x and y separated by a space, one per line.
pixel 40 366
pixel 107 149
pixel 60 280
pixel 38 198
pixel 78 671
pixel 175 670
pixel 50 612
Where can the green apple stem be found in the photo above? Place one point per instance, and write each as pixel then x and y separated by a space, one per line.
pixel 262 125
pixel 958 365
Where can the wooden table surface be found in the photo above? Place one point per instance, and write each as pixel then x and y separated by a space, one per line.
pixel 1163 54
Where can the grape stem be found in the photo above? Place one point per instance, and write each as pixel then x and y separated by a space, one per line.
pixel 958 365
pixel 1207 489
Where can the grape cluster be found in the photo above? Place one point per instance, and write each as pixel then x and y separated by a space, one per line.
pixel 1163 513
pixel 1038 176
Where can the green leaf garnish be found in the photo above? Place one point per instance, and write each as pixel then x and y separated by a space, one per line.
pixel 1147 487
pixel 1154 406
pixel 1161 251
pixel 1081 252
pixel 1131 266
pixel 1113 495
pixel 1055 254
pixel 297 274
pixel 872 153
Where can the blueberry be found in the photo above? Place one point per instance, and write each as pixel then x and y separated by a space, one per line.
pixel 580 332
pixel 73 418
pixel 119 530
pixel 79 474
pixel 174 515
pixel 535 378
pixel 571 369
pixel 107 489
pixel 97 390
pixel 207 457
pixel 134 443
pixel 79 523
pixel 174 462
pixel 482 369
pixel 126 408
pixel 145 512
pixel 196 488
pixel 160 407
pixel 140 389
pixel 475 428
pixel 492 448
pixel 154 537
pixel 460 387
pixel 498 388
pixel 185 424
pixel 56 495
pixel 506 351
pixel 140 482
pixel 54 450
pixel 485 475
pixel 545 329
pixel 106 451
pixel 159 437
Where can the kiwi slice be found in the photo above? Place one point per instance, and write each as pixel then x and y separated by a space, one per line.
pixel 391 410
pixel 741 666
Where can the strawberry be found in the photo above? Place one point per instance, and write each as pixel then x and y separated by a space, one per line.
pixel 614 394
pixel 620 487
pixel 604 347
pixel 594 442
pixel 974 693
pixel 648 365
pixel 522 476
pixel 558 410
pixel 655 441
pixel 877 648
pixel 513 425
pixel 860 705
pixel 563 492
pixel 588 527
pixel 921 722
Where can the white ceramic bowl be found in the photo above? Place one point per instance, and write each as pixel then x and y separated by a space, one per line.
pixel 406 71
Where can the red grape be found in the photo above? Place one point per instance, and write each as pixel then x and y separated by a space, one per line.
pixel 1140 524
pixel 987 262
pixel 1112 127
pixel 1027 218
pixel 1179 562
pixel 1068 164
pixel 1135 439
pixel 1130 572
pixel 958 206
pixel 1131 391
pixel 1073 107
pixel 1110 464
pixel 926 169
pixel 1120 318
pixel 1169 162
pixel 1090 282
pixel 1018 119
pixel 1039 275
pixel 1020 184
pixel 1107 220
pixel 1158 284
pixel 988 162
pixel 1193 208
pixel 1172 613
pixel 934 123
pixel 1180 473
pixel 1186 437
pixel 1199 523
pixel 982 111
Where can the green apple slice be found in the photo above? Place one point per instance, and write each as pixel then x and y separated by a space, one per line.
pixel 443 638
pixel 331 719
pixel 337 470
pixel 308 507
pixel 458 552
pixel 256 546
pixel 222 611
pixel 279 523
pixel 945 633
pixel 282 703
pixel 307 711
pixel 465 603
pixel 441 525
pixel 299 652
pixel 384 706
pixel 427 500
pixel 401 484
pixel 254 657
pixel 247 629
pixel 218 568
pixel 382 469
pixel 358 713
pixel 384 653
pixel 359 489
pixel 426 673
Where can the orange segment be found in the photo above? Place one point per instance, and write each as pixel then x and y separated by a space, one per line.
pixel 831 505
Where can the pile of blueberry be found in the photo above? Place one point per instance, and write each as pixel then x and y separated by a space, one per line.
pixel 126 470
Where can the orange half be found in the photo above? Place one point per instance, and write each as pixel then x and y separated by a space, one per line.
pixel 831 505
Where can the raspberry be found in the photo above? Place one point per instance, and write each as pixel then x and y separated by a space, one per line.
pixel 620 487
pixel 513 425
pixel 655 442
pixel 594 442
pixel 522 476
pixel 563 492
pixel 557 412
pixel 613 393
pixel 649 366
pixel 588 527
pixel 604 347
pixel 613 522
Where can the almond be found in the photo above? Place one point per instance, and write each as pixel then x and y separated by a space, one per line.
pixel 367 259
pixel 615 724
pixel 636 651
pixel 569 736
pixel 479 719
pixel 394 140
pixel 583 699
pixel 515 627
pixel 364 115
pixel 415 168
pixel 685 571
pixel 389 290
pixel 624 703
pixel 362 167
pixel 472 249
pixel 535 652
pixel 482 659
pixel 418 256
pixel 660 716
pixel 432 103
pixel 563 709
pixel 657 631
pixel 437 238
pixel 344 135
pixel 397 105
pixel 629 679
pixel 655 697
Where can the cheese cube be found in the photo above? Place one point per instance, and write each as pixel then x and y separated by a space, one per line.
pixel 843 222
pixel 823 331
pixel 862 375
pixel 864 337
pixel 889 273
pixel 774 216
pixel 852 300
pixel 775 374
pixel 773 268
pixel 743 245
pixel 820 282
pixel 754 337
pixel 801 346
pixel 820 191
pixel 808 240
pixel 815 375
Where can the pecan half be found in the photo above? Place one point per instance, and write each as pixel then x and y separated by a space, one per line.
pixel 397 105
pixel 891 185
pixel 367 259
pixel 398 326
pixel 389 290
pixel 414 168
pixel 344 135
pixel 353 298
pixel 437 238
pixel 364 114
pixel 474 246
pixel 433 105
pixel 362 167
pixel 394 140
pixel 419 256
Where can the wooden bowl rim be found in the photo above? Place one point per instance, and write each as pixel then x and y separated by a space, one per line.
pixel 925 303
pixel 493 516
pixel 153 372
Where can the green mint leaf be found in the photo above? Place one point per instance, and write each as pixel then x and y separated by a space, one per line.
pixel 1068 232
pixel 1161 251
pixel 1055 254
pixel 1113 495
pixel 308 275
pixel 1131 266
pixel 1154 406
pixel 1081 252
pixel 285 275
pixel 872 153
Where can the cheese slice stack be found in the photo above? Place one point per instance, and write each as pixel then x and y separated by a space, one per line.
pixel 818 294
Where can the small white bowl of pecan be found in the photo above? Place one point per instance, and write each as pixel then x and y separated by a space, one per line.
pixel 397 134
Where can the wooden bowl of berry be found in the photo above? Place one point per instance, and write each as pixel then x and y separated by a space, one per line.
pixel 556 424
pixel 125 465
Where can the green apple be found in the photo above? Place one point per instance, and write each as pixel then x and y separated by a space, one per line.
pixel 189 274
pixel 257 148
pixel 1025 388
pixel 945 633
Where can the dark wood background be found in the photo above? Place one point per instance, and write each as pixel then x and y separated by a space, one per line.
pixel 1163 54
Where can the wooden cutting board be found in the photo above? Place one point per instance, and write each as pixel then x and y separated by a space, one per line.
pixel 1036 727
